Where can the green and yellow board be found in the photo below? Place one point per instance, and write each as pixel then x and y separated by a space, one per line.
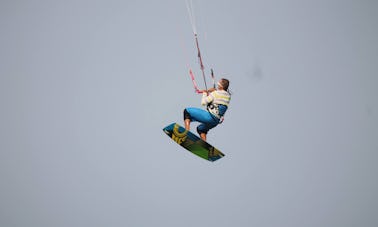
pixel 192 142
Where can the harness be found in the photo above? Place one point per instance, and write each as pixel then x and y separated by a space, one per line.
pixel 214 110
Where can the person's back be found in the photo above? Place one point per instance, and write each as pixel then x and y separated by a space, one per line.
pixel 217 102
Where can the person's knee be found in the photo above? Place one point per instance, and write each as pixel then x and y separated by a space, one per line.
pixel 201 130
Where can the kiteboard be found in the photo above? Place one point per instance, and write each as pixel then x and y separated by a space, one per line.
pixel 192 142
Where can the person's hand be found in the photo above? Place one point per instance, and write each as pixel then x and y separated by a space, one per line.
pixel 207 91
pixel 203 91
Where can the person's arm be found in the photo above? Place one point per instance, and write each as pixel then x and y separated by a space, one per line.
pixel 208 91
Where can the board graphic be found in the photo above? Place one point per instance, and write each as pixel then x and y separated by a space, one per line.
pixel 192 142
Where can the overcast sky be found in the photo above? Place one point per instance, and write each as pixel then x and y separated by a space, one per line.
pixel 87 86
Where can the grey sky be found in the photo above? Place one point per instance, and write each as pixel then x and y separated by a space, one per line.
pixel 87 86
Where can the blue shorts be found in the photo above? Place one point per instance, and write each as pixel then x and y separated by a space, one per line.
pixel 207 120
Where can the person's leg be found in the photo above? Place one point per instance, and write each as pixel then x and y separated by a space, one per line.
pixel 187 119
pixel 194 114
pixel 203 129
pixel 197 114
pixel 187 124
pixel 200 115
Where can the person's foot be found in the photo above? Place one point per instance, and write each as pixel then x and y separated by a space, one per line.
pixel 203 136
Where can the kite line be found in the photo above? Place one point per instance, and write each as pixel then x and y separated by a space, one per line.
pixel 189 5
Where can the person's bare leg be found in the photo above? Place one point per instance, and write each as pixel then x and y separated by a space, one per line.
pixel 187 124
pixel 203 136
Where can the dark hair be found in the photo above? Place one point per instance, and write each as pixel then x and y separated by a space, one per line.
pixel 225 83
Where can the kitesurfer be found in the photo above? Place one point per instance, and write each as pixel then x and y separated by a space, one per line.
pixel 216 101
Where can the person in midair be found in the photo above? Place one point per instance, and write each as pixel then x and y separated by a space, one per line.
pixel 216 101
